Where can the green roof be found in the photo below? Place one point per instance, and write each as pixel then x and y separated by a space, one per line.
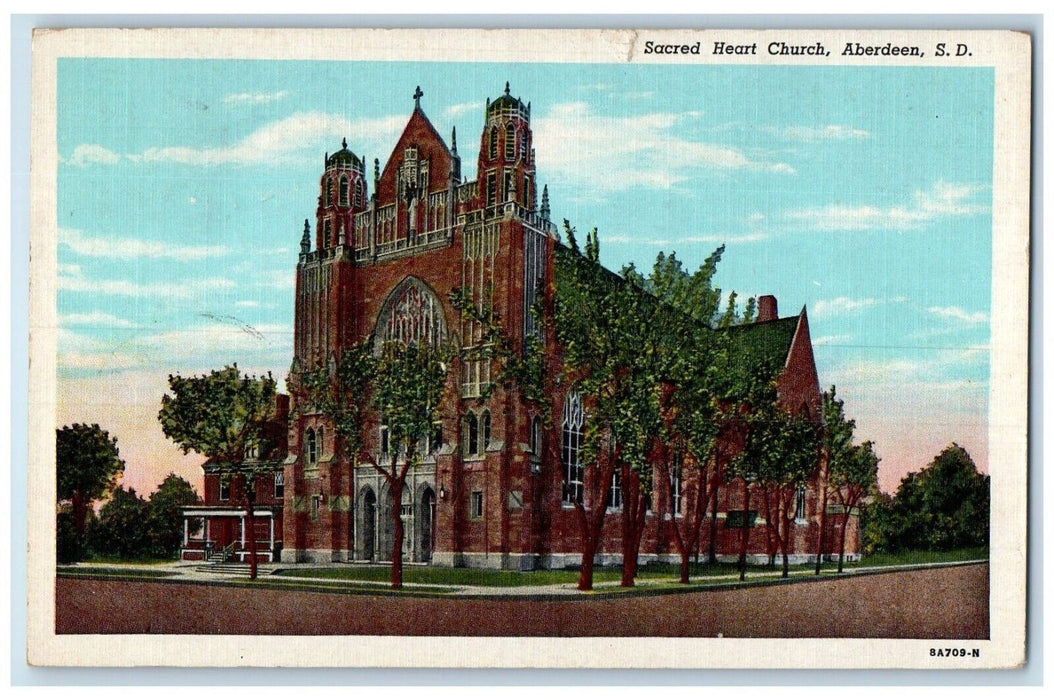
pixel 768 339
pixel 344 159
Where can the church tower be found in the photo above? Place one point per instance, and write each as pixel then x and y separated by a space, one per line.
pixel 342 194
pixel 506 153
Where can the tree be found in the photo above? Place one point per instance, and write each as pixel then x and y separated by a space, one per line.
pixel 220 415
pixel 120 530
pixel 598 319
pixel 164 514
pixel 944 506
pixel 784 449
pixel 404 383
pixel 87 467
pixel 852 478
pixel 836 448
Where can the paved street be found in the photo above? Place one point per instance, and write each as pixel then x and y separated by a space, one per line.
pixel 939 603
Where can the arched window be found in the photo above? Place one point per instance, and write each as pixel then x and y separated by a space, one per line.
pixel 327 233
pixel 358 193
pixel 570 454
pixel 411 315
pixel 469 436
pixel 327 192
pixel 536 437
pixel 343 191
pixel 321 438
pixel 615 494
pixel 675 489
pixel 492 149
pixel 310 447
pixel 510 142
pixel 799 504
pixel 484 431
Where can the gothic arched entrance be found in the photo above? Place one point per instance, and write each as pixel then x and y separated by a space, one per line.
pixel 426 525
pixel 368 525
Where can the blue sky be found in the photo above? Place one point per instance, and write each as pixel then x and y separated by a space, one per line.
pixel 863 193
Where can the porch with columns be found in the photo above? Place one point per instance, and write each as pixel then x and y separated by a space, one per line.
pixel 222 531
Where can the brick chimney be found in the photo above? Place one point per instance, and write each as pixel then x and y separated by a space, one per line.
pixel 767 308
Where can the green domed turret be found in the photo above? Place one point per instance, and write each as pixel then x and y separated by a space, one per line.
pixel 344 159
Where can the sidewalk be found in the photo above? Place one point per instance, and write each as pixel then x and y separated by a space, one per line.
pixel 269 577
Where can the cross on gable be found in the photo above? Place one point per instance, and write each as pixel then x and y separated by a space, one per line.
pixel 417 97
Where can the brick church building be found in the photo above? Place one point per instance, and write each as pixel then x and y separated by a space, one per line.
pixel 495 485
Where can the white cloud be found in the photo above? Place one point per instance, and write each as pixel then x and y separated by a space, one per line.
pixel 300 135
pixel 831 132
pixel 839 306
pixel 248 304
pixel 276 279
pixel 94 318
pixel 183 289
pixel 92 153
pixel 454 111
pixel 611 154
pixel 731 238
pixel 958 314
pixel 256 97
pixel 831 340
pixel 941 200
pixel 132 248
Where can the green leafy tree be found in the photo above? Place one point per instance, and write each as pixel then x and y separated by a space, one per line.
pixel 120 530
pixel 164 514
pixel 87 467
pixel 851 479
pixel 783 448
pixel 405 384
pixel 219 415
pixel 944 506
pixel 689 441
pixel 599 320
pixel 408 390
pixel 836 449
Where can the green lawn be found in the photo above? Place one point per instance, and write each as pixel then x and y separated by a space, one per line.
pixel 903 558
pixel 437 575
pixel 114 559
pixel 136 571
pixel 444 576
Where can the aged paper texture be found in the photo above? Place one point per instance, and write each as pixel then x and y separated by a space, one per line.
pixel 341 258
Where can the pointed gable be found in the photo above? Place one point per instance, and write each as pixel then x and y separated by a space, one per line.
pixel 799 384
pixel 431 148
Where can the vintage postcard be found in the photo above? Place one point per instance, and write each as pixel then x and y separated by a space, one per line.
pixel 562 348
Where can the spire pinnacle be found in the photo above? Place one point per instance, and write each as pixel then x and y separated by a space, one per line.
pixel 545 202
pixel 376 169
pixel 344 142
pixel 305 240
pixel 453 140
pixel 506 87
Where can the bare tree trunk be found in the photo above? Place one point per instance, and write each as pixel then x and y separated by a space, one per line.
pixel 785 542
pixel 821 537
pixel 585 575
pixel 744 537
pixel 845 526
pixel 251 527
pixel 633 512
pixel 711 555
pixel 591 524
pixel 397 536
pixel 80 511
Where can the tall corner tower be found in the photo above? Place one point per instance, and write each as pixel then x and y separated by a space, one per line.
pixel 506 153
